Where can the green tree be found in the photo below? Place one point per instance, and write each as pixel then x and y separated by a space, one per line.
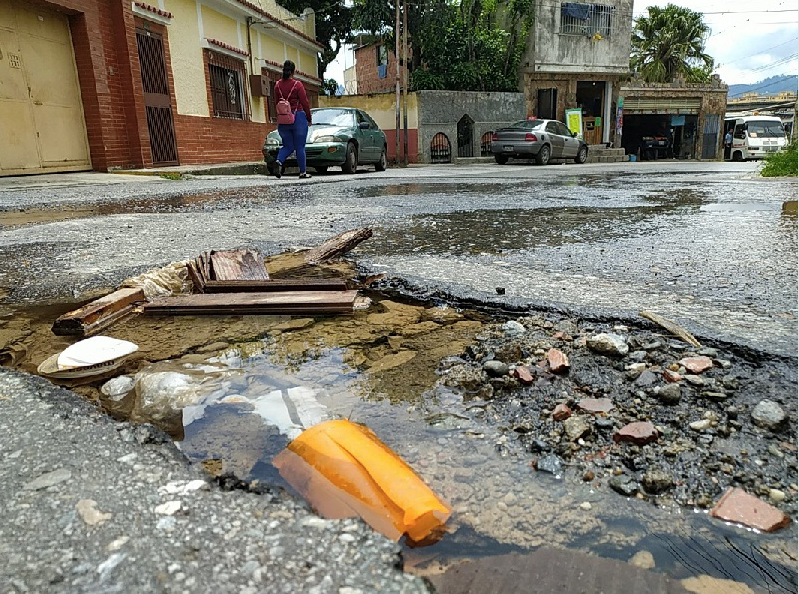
pixel 457 44
pixel 670 42
pixel 333 26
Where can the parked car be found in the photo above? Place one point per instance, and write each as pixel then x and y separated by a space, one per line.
pixel 655 147
pixel 338 137
pixel 541 140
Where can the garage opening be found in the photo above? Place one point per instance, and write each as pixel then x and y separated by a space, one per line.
pixel 660 136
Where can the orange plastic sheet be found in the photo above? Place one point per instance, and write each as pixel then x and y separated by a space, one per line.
pixel 343 469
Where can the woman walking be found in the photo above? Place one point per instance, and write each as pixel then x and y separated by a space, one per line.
pixel 293 135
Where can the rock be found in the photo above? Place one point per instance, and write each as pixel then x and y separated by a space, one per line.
pixel 623 484
pixel 522 373
pixel 585 505
pixel 48 479
pixel 575 427
pixel 716 396
pixel 513 328
pixel 736 505
pixel 656 480
pixel 539 445
pixel 561 412
pixel 638 368
pixel 638 355
pixel 669 394
pixel 551 464
pixel 700 425
pixel 119 387
pixel 643 559
pixel 558 361
pixel 647 378
pixel 776 495
pixel 608 344
pixel 169 508
pixel 595 405
pixel 588 476
pixel 768 414
pixel 639 433
pixel 708 352
pixel 87 509
pixel 495 368
pixel 694 380
pixel 696 364
pixel 671 376
pixel 604 423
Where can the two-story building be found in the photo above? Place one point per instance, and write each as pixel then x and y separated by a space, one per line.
pixel 578 55
pixel 115 84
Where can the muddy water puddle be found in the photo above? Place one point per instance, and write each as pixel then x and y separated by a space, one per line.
pixel 379 367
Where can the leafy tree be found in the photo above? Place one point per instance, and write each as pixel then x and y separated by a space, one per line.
pixel 670 42
pixel 457 44
pixel 329 87
pixel 333 26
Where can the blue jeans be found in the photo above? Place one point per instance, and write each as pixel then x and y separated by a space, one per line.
pixel 293 136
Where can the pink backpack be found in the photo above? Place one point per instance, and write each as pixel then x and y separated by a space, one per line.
pixel 283 107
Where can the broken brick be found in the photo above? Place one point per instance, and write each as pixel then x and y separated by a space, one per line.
pixel 696 364
pixel 736 505
pixel 561 412
pixel 558 361
pixel 639 433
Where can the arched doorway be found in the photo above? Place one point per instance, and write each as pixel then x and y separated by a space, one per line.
pixel 466 137
pixel 440 149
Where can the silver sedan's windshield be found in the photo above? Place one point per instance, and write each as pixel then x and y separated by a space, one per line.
pixel 333 117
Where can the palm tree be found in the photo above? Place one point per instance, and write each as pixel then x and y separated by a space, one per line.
pixel 669 43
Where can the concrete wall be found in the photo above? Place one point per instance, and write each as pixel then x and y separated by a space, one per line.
pixel 440 111
pixel 549 50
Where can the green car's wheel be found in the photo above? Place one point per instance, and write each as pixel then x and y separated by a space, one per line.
pixel 542 158
pixel 382 164
pixel 350 159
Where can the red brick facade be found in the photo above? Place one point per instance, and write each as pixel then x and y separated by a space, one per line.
pixel 109 75
pixel 368 75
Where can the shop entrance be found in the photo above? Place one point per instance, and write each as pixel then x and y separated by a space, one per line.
pixel 590 99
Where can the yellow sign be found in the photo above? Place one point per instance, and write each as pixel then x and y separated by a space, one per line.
pixel 574 121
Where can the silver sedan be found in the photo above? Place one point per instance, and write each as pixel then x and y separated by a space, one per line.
pixel 541 140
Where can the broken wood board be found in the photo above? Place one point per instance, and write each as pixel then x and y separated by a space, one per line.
pixel 335 246
pixel 672 327
pixel 271 285
pixel 98 314
pixel 237 264
pixel 277 303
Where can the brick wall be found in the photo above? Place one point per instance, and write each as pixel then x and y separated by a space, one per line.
pixel 366 71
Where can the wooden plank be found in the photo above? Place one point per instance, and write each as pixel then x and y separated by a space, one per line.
pixel 290 302
pixel 238 264
pixel 196 277
pixel 99 313
pixel 672 327
pixel 335 246
pixel 283 284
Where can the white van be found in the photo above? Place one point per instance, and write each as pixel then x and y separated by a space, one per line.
pixel 753 137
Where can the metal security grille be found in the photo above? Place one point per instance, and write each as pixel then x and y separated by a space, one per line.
pixel 577 18
pixel 227 91
pixel 157 100
pixel 710 136
pixel 440 149
pixel 466 137
pixel 485 144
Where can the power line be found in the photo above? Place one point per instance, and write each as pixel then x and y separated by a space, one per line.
pixel 763 51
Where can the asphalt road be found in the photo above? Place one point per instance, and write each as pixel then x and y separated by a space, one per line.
pixel 89 504
pixel 709 245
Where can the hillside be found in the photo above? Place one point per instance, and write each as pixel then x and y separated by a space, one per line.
pixel 768 86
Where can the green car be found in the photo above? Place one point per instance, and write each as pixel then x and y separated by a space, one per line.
pixel 339 137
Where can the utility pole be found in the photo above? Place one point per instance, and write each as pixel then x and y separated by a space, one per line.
pixel 397 59
pixel 405 82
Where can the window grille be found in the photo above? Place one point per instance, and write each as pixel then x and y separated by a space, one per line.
pixel 587 19
pixel 227 88
pixel 440 149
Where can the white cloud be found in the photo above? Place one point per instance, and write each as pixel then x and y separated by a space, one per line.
pixel 746 37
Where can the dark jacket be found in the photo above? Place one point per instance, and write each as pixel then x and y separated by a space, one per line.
pixel 297 97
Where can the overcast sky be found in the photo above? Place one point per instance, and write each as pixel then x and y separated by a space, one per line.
pixel 749 40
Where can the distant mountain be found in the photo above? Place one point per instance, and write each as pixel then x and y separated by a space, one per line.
pixel 768 86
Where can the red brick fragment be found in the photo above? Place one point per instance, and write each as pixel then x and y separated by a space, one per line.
pixel 558 361
pixel 696 364
pixel 558 335
pixel 523 374
pixel 639 433
pixel 596 405
pixel 671 376
pixel 561 412
pixel 736 505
